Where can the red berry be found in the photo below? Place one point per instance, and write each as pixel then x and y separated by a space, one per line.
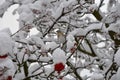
pixel 75 44
pixel 4 56
pixel 9 78
pixel 72 50
pixel 59 67
pixel 61 78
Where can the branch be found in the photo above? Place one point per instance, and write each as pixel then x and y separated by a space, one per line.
pixel 62 14
pixel 50 28
pixel 90 47
pixel 27 78
pixel 101 3
pixel 113 66
pixel 74 70
pixel 99 17
pixel 25 43
pixel 84 51
pixel 26 70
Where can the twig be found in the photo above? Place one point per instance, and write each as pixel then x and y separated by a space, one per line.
pixel 18 30
pixel 90 47
pixel 74 70
pixel 27 78
pixel 50 28
pixel 101 3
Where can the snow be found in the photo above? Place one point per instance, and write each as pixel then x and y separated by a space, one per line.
pixel 78 32
pixel 59 56
pixel 6 43
pixel 93 7
pixel 93 27
pixel 22 56
pixel 32 57
pixel 26 1
pixel 101 44
pixel 25 17
pixel 45 58
pixel 26 14
pixel 51 45
pixel 70 44
pixel 118 74
pixel 56 53
pixel 8 64
pixel 34 68
pixel 58 12
pixel 40 5
pixel 113 77
pixel 36 40
pixel 113 14
pixel 97 76
pixel 3 7
pixel 19 76
pixel 85 72
pixel 109 19
pixel 20 35
pixel 117 57
pixel 70 37
pixel 86 46
pixel 34 31
pixel 7 30
pixel 1 2
pixel 48 69
pixel 102 53
pixel 64 4
pixel 36 5
pixel 68 77
pixel 115 27
pixel 24 8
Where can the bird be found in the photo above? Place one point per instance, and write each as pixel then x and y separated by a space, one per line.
pixel 61 37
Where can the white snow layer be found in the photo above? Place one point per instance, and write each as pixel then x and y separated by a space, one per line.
pixel 118 74
pixel 59 56
pixel 97 76
pixel 6 43
pixel 115 27
pixel 8 64
pixel 117 57
pixel 51 45
pixel 34 68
